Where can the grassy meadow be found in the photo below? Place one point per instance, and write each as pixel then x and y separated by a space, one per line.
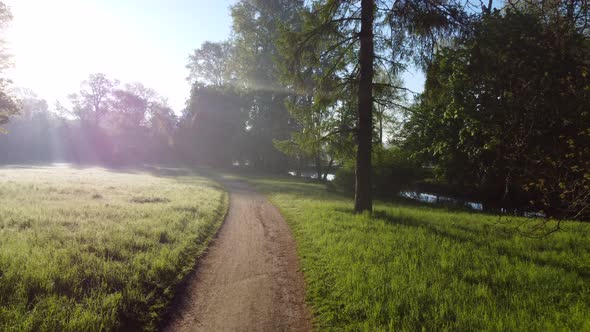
pixel 92 249
pixel 415 267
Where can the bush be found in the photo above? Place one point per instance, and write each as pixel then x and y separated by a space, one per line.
pixel 343 180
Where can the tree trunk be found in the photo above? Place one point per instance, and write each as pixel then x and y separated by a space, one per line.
pixel 330 164
pixel 318 166
pixel 363 200
pixel 299 166
pixel 381 126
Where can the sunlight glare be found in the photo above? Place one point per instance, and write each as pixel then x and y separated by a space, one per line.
pixel 55 45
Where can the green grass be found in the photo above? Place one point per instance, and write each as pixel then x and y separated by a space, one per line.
pixel 92 249
pixel 414 267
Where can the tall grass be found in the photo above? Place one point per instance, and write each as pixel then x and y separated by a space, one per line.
pixel 414 267
pixel 94 250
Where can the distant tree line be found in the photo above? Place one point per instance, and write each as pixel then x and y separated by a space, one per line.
pixel 105 123
pixel 504 117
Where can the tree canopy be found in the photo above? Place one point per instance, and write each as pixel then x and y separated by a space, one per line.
pixel 8 104
pixel 506 111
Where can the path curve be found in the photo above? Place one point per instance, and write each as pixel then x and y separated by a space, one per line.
pixel 249 280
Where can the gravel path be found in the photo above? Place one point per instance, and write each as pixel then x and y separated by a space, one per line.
pixel 250 278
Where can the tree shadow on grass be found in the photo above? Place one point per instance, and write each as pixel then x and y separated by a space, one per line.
pixel 480 238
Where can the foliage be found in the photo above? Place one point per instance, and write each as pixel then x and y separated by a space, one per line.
pixel 394 170
pixel 9 106
pixel 323 134
pixel 412 267
pixel 211 64
pixel 333 55
pixel 212 128
pixel 324 117
pixel 245 70
pixel 35 134
pixel 506 111
pixel 256 31
pixel 96 250
pixel 93 102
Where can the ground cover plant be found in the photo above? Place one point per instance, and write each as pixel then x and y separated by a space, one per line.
pixel 93 249
pixel 415 267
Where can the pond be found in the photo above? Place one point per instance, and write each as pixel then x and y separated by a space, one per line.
pixel 477 206
pixel 312 175
pixel 429 198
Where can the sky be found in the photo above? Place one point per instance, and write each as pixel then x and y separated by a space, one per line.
pixel 56 44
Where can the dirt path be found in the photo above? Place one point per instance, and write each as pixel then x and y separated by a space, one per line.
pixel 250 279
